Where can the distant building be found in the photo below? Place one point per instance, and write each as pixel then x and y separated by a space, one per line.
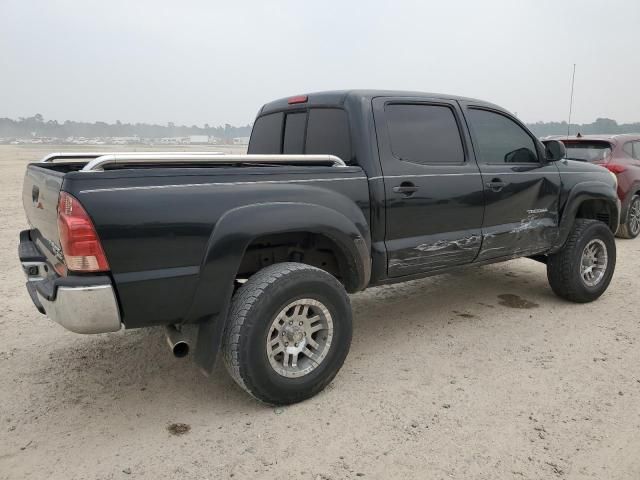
pixel 198 139
pixel 241 141
pixel 125 140
pixel 173 140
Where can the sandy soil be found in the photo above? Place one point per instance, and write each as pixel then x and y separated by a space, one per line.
pixel 446 379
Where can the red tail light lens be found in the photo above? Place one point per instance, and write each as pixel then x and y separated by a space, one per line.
pixel 80 243
pixel 615 168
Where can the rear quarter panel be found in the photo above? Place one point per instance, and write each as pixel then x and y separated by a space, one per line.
pixel 155 225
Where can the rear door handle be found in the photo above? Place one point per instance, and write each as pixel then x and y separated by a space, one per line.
pixel 496 184
pixel 406 188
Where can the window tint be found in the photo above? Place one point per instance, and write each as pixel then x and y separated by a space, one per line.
pixel 499 139
pixel 636 150
pixel 628 148
pixel 328 133
pixel 266 134
pixel 424 134
pixel 294 133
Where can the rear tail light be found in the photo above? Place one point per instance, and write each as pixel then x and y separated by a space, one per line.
pixel 79 240
pixel 615 168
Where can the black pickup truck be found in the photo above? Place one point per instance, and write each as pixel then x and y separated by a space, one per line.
pixel 339 191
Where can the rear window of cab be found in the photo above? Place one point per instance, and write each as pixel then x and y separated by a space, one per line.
pixel 312 131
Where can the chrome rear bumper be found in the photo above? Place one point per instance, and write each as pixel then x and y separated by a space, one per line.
pixel 79 304
pixel 92 309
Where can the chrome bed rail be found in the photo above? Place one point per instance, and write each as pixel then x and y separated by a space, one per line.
pixel 90 155
pixel 98 164
pixel 96 161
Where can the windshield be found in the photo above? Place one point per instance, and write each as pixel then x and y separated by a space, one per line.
pixel 587 151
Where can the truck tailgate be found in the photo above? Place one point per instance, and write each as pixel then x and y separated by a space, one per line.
pixel 40 192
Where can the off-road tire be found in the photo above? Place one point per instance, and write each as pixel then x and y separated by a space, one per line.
pixel 563 267
pixel 625 230
pixel 253 309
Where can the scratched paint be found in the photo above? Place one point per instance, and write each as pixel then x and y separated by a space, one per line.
pixel 439 254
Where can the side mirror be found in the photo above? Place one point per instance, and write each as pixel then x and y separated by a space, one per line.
pixel 554 150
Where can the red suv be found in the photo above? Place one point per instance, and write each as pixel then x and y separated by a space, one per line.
pixel 621 155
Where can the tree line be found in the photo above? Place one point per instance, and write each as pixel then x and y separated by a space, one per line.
pixel 38 127
pixel 600 126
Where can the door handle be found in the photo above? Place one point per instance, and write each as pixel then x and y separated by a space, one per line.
pixel 496 184
pixel 406 188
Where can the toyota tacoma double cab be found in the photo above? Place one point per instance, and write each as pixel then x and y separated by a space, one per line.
pixel 254 254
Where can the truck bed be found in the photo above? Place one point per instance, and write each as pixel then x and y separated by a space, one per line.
pixel 156 221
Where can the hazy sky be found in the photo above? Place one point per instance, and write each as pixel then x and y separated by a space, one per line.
pixel 196 62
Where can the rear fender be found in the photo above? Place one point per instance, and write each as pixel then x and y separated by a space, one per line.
pixel 232 235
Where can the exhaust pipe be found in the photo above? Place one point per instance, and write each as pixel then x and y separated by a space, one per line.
pixel 177 341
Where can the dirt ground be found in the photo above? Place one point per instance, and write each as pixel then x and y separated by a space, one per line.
pixel 479 375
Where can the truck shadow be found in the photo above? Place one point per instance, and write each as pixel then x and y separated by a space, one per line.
pixel 134 374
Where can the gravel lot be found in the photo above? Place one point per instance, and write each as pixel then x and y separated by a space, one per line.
pixel 482 374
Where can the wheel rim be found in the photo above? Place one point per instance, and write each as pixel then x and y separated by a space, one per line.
pixel 593 264
pixel 299 338
pixel 634 217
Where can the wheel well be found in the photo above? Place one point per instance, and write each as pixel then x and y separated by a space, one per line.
pixel 303 247
pixel 597 210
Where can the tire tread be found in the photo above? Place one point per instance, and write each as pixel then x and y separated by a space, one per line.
pixel 242 303
pixel 560 265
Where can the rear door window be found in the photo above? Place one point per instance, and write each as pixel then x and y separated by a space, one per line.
pixel 424 134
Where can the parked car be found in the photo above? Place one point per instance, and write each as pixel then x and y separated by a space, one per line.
pixel 340 191
pixel 621 155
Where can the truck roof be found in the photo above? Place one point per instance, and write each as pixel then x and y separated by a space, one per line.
pixel 339 97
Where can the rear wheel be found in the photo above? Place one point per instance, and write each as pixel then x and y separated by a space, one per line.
pixel 631 226
pixel 582 270
pixel 289 333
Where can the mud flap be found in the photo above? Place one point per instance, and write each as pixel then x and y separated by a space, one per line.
pixel 209 339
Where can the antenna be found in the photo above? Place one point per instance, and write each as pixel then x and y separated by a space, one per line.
pixel 573 78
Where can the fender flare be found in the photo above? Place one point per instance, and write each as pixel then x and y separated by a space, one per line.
pixel 231 236
pixel 581 192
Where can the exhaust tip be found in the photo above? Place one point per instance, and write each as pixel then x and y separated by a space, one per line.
pixel 178 342
pixel 181 349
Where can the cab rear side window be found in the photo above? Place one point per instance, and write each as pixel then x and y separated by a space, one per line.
pixel 313 131
pixel 266 136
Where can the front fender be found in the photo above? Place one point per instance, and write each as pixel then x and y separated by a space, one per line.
pixel 233 233
pixel 581 192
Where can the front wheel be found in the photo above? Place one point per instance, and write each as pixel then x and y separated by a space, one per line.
pixel 582 270
pixel 288 334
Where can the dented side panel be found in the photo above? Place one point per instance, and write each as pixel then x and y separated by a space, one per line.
pixel 523 216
